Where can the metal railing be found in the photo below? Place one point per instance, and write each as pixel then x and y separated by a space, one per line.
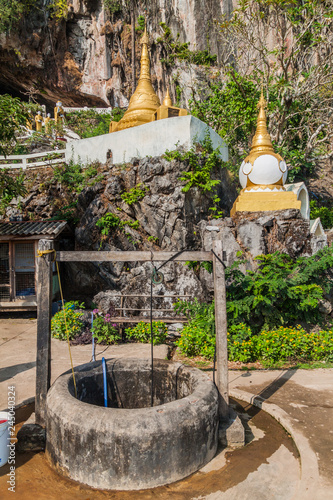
pixel 45 159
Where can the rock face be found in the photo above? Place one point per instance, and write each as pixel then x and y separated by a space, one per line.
pixel 260 233
pixel 85 58
pixel 164 217
pixel 167 216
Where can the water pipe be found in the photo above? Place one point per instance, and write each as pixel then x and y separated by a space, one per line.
pixel 104 383
pixel 92 336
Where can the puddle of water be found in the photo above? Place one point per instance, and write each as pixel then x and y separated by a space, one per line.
pixel 228 471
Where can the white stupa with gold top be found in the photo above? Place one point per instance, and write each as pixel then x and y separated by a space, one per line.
pixel 263 175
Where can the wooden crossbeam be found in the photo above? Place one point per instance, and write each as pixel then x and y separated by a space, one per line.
pixel 146 319
pixel 131 256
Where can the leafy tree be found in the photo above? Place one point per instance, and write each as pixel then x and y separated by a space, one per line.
pixel 13 115
pixel 11 11
pixel 59 9
pixel 286 44
pixel 113 6
pixel 282 291
pixel 10 187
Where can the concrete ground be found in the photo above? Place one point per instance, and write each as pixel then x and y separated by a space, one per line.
pixel 302 400
pixel 18 357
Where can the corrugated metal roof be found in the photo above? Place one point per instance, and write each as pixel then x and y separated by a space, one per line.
pixel 29 228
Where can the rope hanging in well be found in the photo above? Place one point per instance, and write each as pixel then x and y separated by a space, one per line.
pixel 156 278
pixel 41 253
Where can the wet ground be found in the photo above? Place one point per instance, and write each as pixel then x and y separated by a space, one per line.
pixel 266 468
pixel 308 399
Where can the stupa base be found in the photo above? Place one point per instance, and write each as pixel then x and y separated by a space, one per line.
pixel 265 202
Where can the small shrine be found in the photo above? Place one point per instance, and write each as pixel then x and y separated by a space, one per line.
pixel 263 175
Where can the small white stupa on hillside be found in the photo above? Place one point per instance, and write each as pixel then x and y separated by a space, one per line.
pixel 263 175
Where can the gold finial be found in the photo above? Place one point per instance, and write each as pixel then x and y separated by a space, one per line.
pixel 261 142
pixel 262 103
pixel 167 99
pixel 145 38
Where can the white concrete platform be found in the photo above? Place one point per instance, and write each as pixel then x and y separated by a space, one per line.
pixel 151 139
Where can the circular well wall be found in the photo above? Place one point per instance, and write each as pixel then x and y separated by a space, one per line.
pixel 131 445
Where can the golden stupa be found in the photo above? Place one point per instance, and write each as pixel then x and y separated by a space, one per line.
pixel 167 110
pixel 263 174
pixel 144 103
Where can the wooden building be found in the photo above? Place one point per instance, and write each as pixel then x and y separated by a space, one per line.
pixel 18 258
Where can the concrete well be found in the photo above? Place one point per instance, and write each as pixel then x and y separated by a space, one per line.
pixel 131 445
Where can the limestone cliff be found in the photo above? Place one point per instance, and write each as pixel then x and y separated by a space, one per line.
pixel 161 217
pixel 85 59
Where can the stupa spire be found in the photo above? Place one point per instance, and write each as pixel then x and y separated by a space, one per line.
pixel 144 100
pixel 261 142
pixel 167 99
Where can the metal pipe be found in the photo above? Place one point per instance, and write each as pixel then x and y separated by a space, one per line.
pixel 92 336
pixel 104 383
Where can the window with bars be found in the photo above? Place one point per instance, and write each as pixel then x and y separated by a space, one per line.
pixel 4 272
pixel 24 264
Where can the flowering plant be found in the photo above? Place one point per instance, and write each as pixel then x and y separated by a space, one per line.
pixel 270 346
pixel 73 312
pixel 141 332
pixel 104 330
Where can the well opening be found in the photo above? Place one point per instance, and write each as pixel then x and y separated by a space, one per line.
pixel 129 387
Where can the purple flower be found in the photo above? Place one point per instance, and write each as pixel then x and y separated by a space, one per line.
pixel 114 325
pixel 95 311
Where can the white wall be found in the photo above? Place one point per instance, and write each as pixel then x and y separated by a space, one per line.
pixel 151 139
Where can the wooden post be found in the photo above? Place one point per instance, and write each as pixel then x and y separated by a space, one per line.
pixel 221 332
pixel 44 307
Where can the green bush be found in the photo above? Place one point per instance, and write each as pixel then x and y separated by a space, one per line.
pixel 67 213
pixel 141 332
pixel 135 194
pixel 103 330
pixel 196 341
pixel 282 291
pixel 269 346
pixel 13 116
pixel 12 11
pixel 110 222
pixel 283 344
pixel 90 123
pixel 113 6
pixel 325 213
pixel 203 161
pixel 73 321
pixel 76 176
pixel 141 24
pixel 198 336
pixel 176 50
